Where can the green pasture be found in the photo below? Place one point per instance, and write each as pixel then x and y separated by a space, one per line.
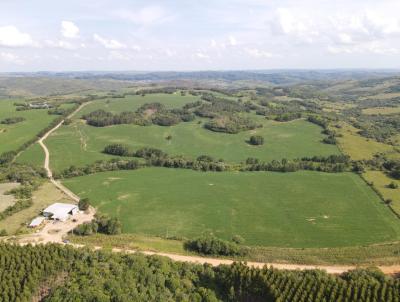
pixel 15 135
pixel 133 102
pixel 301 209
pixel 79 144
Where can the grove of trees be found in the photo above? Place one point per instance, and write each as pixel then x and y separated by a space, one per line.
pixel 63 273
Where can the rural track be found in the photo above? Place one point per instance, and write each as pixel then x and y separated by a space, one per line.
pixel 46 165
pixel 331 269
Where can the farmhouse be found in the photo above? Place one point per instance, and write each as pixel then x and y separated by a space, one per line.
pixel 60 211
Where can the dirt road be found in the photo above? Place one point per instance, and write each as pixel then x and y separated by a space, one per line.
pixel 47 156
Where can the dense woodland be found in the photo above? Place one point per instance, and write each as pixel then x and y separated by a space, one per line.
pixel 62 273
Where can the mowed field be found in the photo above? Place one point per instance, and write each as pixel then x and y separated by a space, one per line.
pixel 301 209
pixel 79 144
pixel 15 135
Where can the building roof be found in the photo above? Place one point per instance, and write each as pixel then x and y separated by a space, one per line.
pixel 37 221
pixel 60 210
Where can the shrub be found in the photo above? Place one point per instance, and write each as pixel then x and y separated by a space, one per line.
pixel 392 185
pixel 210 245
pixel 256 140
pixel 12 120
pixel 117 149
pixel 84 204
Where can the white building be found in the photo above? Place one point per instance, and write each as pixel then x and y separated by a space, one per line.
pixel 36 222
pixel 60 211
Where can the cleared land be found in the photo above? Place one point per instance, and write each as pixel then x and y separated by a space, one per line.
pixel 302 209
pixel 6 200
pixel 14 135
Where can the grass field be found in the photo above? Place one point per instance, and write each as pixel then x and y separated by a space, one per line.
pixel 358 147
pixel 15 135
pixel 85 143
pixel 380 181
pixel 133 102
pixel 302 209
pixel 381 110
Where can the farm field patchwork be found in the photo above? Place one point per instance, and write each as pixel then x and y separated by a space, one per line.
pixel 15 135
pixel 282 140
pixel 301 209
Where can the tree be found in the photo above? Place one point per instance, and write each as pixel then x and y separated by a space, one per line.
pixel 393 185
pixel 256 140
pixel 83 204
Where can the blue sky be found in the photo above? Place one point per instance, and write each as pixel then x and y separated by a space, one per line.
pixel 61 35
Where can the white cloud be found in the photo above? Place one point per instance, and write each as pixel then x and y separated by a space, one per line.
pixel 117 55
pixel 63 44
pixel 232 41
pixel 108 43
pixel 149 15
pixel 10 58
pixel 258 53
pixel 366 48
pixel 10 36
pixel 69 29
pixel 201 55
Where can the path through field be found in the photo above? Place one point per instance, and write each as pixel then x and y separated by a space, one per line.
pixel 47 156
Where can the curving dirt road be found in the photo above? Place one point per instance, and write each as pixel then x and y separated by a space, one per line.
pixel 47 156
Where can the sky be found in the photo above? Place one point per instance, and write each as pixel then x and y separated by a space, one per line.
pixel 129 35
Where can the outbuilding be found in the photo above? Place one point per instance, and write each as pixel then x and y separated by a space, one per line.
pixel 36 222
pixel 60 211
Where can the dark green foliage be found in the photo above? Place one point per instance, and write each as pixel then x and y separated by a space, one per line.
pixel 256 140
pixel 16 207
pixel 393 168
pixel 286 117
pixel 84 204
pixel 211 245
pixel 147 153
pixel 57 111
pixel 3 233
pixel 7 157
pixel 101 224
pixel 329 140
pixel 117 149
pixel 12 120
pixel 166 119
pixel 102 276
pixel 231 124
pixel 378 127
pixel 99 166
pixel 392 185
